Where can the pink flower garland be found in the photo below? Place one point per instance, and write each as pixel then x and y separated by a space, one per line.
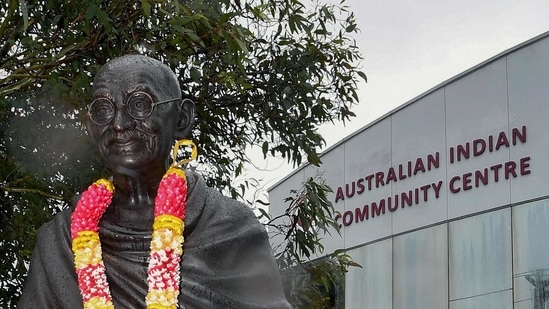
pixel 166 245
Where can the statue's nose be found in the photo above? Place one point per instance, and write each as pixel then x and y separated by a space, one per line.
pixel 121 120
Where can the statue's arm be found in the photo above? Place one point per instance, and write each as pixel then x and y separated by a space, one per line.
pixel 36 291
pixel 51 281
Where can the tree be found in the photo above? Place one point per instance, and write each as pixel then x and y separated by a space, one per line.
pixel 309 214
pixel 262 73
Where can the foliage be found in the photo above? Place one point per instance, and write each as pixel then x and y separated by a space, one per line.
pixel 309 214
pixel 262 73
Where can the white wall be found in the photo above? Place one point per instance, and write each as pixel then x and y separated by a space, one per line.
pixel 495 99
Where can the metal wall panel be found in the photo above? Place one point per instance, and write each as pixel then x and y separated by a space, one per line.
pixel 416 140
pixel 365 154
pixel 528 74
pixel 476 107
pixel 480 255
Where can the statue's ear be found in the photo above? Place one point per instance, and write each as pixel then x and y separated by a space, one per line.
pixel 186 119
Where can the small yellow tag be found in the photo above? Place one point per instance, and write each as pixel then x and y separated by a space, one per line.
pixel 183 142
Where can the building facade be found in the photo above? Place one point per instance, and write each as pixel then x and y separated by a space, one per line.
pixel 445 200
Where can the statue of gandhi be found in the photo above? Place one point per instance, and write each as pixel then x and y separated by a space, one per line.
pixel 136 115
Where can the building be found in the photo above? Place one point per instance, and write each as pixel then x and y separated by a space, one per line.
pixel 445 200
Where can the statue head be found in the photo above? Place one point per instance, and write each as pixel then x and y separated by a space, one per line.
pixel 137 113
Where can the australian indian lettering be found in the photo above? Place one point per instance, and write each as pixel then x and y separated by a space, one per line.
pixel 493 173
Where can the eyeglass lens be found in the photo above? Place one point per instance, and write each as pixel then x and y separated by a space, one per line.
pixel 139 105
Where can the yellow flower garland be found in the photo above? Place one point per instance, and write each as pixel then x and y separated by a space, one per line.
pixel 166 244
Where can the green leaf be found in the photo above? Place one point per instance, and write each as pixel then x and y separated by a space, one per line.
pixel 91 11
pixel 146 7
pixel 361 74
pixel 195 74
pixel 350 28
pixel 264 214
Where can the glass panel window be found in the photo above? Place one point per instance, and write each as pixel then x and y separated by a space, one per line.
pixel 421 269
pixel 371 285
pixel 499 300
pixel 480 254
pixel 531 255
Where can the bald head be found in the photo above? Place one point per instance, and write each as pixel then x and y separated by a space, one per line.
pixel 131 68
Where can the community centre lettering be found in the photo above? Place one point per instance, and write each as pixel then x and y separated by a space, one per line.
pixel 421 165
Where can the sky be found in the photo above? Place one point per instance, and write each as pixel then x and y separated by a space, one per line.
pixel 411 46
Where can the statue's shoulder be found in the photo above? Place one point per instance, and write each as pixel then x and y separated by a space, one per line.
pixel 211 199
pixel 57 230
pixel 228 205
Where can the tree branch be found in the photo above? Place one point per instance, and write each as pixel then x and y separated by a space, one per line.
pixel 26 190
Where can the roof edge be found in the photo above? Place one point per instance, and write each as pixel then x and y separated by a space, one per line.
pixel 417 98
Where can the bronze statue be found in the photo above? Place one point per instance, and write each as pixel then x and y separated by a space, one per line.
pixel 136 115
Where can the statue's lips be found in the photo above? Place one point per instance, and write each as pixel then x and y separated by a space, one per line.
pixel 121 142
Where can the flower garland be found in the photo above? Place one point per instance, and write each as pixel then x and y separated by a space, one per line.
pixel 166 244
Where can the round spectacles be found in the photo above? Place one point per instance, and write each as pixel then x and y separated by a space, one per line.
pixel 139 105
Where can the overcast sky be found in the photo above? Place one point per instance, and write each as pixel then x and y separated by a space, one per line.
pixel 410 46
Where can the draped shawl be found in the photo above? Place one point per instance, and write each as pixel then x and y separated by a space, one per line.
pixel 226 262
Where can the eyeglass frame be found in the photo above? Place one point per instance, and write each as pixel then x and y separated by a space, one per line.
pixel 125 107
